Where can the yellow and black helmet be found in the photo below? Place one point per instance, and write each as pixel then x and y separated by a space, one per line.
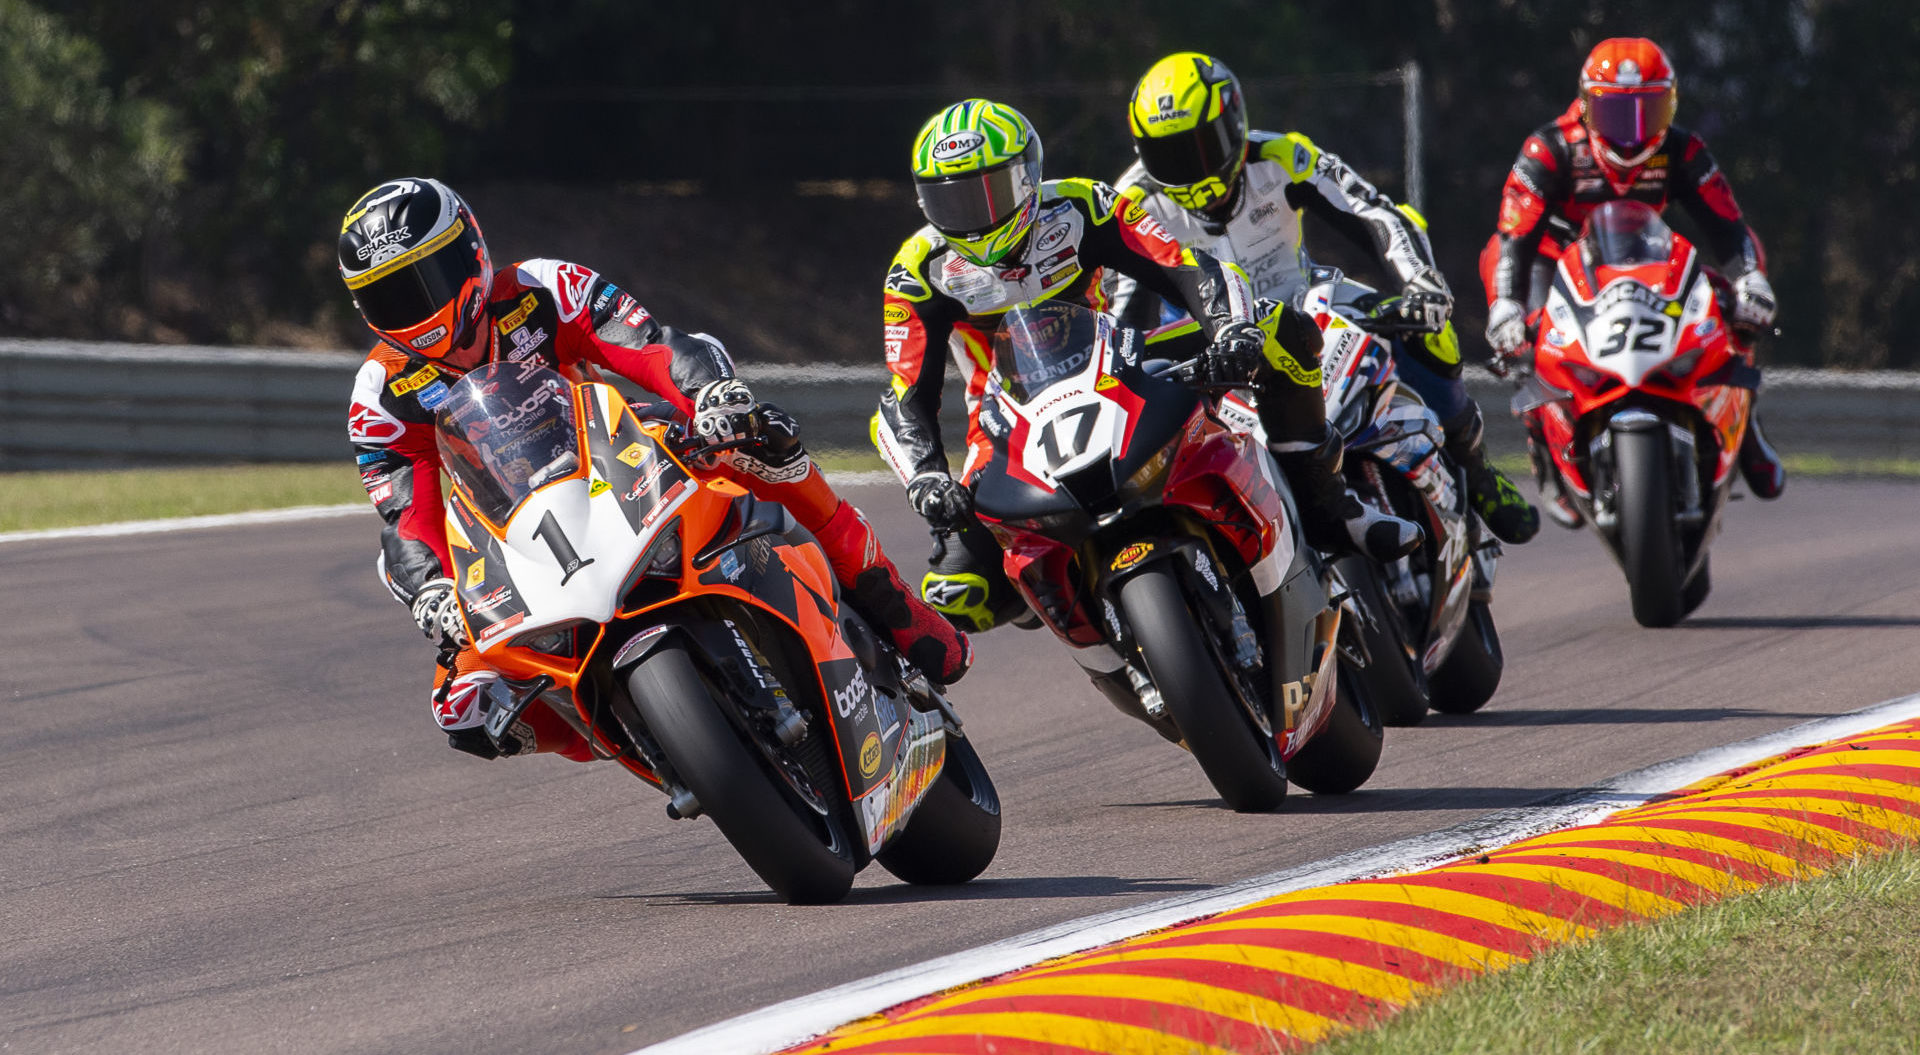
pixel 1189 124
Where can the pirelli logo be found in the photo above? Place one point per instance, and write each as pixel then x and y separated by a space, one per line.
pixel 519 315
pixel 419 379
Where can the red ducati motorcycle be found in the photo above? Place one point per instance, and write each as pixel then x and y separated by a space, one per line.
pixel 1638 401
pixel 1162 547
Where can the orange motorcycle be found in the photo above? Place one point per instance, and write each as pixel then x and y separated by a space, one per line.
pixel 696 636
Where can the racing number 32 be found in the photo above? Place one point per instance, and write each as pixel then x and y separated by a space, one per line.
pixel 1084 416
pixel 1649 336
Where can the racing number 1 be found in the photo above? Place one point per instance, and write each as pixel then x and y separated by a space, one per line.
pixel 1087 414
pixel 563 551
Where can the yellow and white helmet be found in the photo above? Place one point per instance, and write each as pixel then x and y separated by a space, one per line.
pixel 1189 123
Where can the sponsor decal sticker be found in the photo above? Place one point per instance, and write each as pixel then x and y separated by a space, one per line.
pixel 637 317
pixel 957 145
pixel 514 319
pixel 526 342
pixel 499 629
pixel 896 313
pixel 433 395
pixel 598 487
pixel 429 338
pixel 870 755
pixel 1132 556
pixel 370 424
pixel 573 280
pixel 1105 383
pixel 418 379
pixel 476 573
pixel 633 455
pixel 381 492
pixel 1053 236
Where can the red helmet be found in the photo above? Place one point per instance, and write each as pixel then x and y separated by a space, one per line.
pixel 413 257
pixel 1627 97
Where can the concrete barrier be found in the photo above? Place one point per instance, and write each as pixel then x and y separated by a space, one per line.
pixel 76 404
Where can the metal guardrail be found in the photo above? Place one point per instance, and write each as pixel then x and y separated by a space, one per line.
pixel 73 404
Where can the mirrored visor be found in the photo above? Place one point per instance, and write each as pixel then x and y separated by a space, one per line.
pixel 976 203
pixel 1189 157
pixel 410 295
pixel 505 431
pixel 1629 119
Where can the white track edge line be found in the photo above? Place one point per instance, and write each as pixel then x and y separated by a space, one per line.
pixel 275 516
pixel 780 1025
pixel 155 527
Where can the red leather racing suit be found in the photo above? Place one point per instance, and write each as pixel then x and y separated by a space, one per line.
pixel 1556 181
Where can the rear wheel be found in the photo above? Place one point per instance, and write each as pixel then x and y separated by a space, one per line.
pixel 1467 678
pixel 1343 754
pixel 954 832
pixel 1650 550
pixel 1395 682
pixel 1232 751
pixel 805 857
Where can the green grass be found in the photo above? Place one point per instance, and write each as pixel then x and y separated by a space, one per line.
pixel 30 501
pixel 1826 965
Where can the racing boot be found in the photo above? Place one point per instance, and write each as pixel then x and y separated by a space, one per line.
pixel 1760 464
pixel 462 701
pixel 1335 521
pixel 966 583
pixel 1505 510
pixel 928 641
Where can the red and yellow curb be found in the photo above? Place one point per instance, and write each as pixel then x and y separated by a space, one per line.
pixel 1286 972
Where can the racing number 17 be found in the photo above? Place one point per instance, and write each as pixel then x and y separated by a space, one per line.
pixel 1085 415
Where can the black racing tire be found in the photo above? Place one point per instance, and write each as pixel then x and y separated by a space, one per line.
pixel 1469 676
pixel 955 831
pixel 1343 754
pixel 1223 740
pixel 1395 682
pixel 1650 551
pixel 1698 587
pixel 805 858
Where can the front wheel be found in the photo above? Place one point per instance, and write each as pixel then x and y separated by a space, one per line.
pixel 1650 550
pixel 1343 754
pixel 955 831
pixel 1231 750
pixel 1467 678
pixel 1394 679
pixel 805 857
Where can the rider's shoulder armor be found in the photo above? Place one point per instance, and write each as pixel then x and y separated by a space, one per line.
pixel 907 275
pixel 1294 154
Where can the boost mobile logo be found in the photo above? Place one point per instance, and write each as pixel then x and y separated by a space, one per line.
pixel 856 693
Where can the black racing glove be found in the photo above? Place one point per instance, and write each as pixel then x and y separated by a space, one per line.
pixel 1234 356
pixel 940 500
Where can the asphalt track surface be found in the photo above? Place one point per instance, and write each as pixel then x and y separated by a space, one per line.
pixel 229 825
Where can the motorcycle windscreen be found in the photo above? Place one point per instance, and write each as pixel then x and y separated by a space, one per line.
pixel 1039 345
pixel 505 431
pixel 1626 234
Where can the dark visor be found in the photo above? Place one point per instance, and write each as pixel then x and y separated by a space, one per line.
pixel 973 204
pixel 1187 158
pixel 412 294
pixel 1629 119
